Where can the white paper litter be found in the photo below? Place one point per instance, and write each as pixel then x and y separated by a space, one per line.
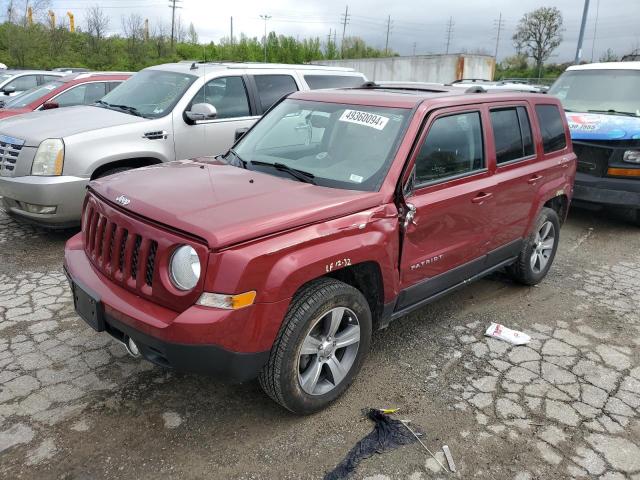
pixel 501 332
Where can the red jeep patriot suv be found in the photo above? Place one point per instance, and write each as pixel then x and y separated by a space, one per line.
pixel 338 212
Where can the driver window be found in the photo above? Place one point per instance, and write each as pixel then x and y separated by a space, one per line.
pixel 227 94
pixel 453 147
pixel 23 83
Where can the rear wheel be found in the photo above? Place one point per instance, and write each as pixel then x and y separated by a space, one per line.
pixel 539 249
pixel 322 343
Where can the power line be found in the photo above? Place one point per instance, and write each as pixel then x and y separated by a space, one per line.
pixel 595 30
pixel 500 25
pixel 344 20
pixel 386 44
pixel 173 5
pixel 450 25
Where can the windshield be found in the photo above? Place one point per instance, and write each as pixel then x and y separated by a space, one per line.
pixel 32 95
pixel 336 145
pixel 599 90
pixel 150 93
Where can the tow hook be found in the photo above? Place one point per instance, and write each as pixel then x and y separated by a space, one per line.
pixel 132 347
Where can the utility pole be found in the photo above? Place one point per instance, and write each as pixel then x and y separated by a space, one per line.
pixel 265 18
pixel 231 37
pixel 344 20
pixel 581 36
pixel 595 30
pixel 414 48
pixel 450 25
pixel 386 44
pixel 499 25
pixel 173 4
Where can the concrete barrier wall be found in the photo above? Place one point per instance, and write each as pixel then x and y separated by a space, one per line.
pixel 421 68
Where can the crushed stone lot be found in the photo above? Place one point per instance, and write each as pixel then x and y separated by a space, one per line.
pixel 73 405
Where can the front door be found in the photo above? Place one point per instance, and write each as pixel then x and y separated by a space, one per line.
pixel 213 137
pixel 453 199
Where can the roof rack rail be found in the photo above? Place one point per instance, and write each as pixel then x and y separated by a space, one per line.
pixel 475 89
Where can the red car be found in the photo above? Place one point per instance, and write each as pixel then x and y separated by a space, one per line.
pixel 75 89
pixel 338 212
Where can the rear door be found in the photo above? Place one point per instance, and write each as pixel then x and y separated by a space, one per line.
pixel 518 174
pixel 453 199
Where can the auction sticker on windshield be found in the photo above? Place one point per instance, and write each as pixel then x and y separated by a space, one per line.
pixel 364 118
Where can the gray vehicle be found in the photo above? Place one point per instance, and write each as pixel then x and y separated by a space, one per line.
pixel 14 82
pixel 163 113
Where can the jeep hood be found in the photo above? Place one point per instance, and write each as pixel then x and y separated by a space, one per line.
pixel 62 122
pixel 226 205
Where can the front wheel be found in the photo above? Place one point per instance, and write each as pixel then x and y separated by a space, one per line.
pixel 322 343
pixel 539 249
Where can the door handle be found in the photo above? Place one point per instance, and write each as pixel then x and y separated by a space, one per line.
pixel 481 197
pixel 534 179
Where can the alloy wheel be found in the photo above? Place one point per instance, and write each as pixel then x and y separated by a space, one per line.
pixel 328 351
pixel 543 247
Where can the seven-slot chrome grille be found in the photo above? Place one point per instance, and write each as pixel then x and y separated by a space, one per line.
pixel 9 150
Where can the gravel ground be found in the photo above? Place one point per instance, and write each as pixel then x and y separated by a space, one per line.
pixel 73 405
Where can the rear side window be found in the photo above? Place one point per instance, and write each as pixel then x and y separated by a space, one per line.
pixel 272 88
pixel 316 82
pixel 512 134
pixel 453 147
pixel 112 85
pixel 48 78
pixel 553 136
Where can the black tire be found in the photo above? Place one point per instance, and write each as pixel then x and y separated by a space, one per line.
pixel 280 376
pixel 637 217
pixel 112 171
pixel 522 270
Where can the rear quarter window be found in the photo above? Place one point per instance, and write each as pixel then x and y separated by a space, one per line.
pixel 552 128
pixel 316 82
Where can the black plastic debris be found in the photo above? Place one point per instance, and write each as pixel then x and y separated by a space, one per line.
pixel 388 433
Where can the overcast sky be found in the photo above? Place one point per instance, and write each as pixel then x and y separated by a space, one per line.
pixel 419 22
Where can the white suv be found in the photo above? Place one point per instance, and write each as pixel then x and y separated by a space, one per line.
pixel 163 113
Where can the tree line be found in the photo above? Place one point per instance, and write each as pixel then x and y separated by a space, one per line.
pixel 42 45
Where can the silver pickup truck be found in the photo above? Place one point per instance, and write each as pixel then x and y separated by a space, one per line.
pixel 163 113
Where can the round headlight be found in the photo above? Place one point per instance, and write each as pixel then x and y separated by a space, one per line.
pixel 184 268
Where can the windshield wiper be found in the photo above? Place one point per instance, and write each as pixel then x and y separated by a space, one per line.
pixel 611 111
pixel 301 175
pixel 243 163
pixel 126 108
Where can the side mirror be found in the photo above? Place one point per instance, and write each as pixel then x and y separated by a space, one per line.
pixel 240 133
pixel 201 111
pixel 8 90
pixel 50 105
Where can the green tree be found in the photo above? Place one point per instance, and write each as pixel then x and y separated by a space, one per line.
pixel 539 33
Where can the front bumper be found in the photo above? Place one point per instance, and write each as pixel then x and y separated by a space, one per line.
pixel 232 345
pixel 618 192
pixel 65 192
